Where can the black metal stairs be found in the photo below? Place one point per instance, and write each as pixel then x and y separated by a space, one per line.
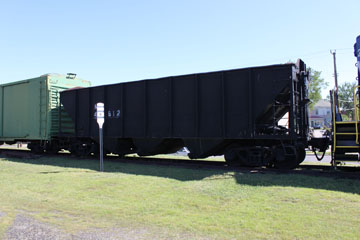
pixel 346 145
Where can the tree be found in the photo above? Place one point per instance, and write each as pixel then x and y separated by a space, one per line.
pixel 346 99
pixel 316 84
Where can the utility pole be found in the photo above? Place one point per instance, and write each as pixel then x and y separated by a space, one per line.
pixel 335 72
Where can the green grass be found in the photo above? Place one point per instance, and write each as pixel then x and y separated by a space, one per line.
pixel 74 196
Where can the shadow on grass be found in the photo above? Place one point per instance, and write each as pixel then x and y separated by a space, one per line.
pixel 243 177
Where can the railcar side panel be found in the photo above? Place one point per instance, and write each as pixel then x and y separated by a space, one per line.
pixel 134 113
pixel 22 108
pixel 184 106
pixel 157 108
pixel 30 109
pixel 228 104
pixel 210 105
pixel 237 96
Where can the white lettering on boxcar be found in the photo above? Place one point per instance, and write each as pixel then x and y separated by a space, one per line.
pixel 113 113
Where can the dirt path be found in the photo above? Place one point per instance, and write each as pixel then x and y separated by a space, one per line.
pixel 27 228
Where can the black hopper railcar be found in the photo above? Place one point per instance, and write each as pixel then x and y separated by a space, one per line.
pixel 236 113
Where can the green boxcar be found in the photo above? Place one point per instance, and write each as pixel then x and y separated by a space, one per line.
pixel 29 109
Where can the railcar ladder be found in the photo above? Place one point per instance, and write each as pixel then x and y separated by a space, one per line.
pixel 345 146
pixel 43 109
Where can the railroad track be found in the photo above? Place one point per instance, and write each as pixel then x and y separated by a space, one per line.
pixel 305 169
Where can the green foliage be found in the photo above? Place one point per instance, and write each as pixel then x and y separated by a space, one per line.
pixel 316 84
pixel 346 99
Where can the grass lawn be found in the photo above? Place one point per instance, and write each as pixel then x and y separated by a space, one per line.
pixel 72 195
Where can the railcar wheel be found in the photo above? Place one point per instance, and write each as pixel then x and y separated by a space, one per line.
pixel 255 156
pixel 300 154
pixel 36 148
pixel 286 157
pixel 81 149
pixel 232 158
pixel 52 148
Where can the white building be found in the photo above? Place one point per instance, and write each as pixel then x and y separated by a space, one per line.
pixel 321 114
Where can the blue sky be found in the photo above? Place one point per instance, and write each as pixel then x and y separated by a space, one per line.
pixel 117 41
